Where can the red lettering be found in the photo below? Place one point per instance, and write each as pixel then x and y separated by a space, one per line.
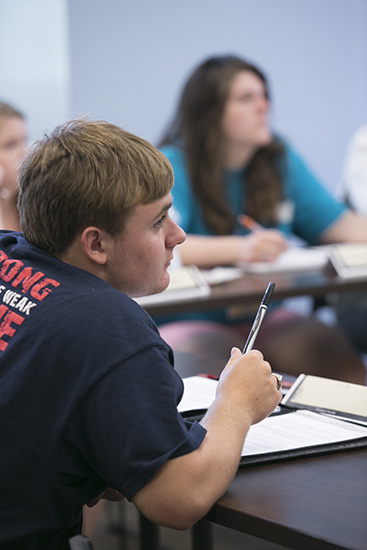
pixel 12 271
pixel 41 295
pixel 5 328
pixel 3 256
pixel 13 266
pixel 27 279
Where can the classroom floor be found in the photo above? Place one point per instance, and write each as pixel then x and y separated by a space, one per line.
pixel 109 535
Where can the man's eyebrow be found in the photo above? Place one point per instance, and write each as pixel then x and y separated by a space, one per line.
pixel 162 211
pixel 165 208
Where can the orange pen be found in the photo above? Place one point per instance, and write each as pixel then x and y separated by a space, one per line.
pixel 249 223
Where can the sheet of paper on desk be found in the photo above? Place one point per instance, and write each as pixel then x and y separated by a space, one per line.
pixel 292 260
pixel 185 282
pixel 199 393
pixel 296 430
pixel 220 274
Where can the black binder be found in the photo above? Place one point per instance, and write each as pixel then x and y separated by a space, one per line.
pixel 319 403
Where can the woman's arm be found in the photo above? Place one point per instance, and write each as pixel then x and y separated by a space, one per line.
pixel 350 227
pixel 210 251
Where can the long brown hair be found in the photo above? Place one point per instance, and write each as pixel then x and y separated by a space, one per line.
pixel 197 126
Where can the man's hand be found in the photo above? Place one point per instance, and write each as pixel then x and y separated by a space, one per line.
pixel 246 383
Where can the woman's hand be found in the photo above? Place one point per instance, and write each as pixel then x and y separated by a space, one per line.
pixel 262 246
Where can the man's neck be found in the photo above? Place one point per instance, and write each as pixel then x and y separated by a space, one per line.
pixel 9 218
pixel 75 256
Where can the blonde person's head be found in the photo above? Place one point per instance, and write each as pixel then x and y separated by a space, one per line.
pixel 87 173
pixel 7 111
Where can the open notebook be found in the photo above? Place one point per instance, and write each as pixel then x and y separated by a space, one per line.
pixel 185 282
pixel 291 431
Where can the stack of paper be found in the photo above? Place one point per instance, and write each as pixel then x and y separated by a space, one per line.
pixel 292 260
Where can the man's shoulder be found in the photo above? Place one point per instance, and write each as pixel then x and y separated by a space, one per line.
pixel 110 305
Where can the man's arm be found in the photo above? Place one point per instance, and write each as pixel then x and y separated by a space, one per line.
pixel 185 488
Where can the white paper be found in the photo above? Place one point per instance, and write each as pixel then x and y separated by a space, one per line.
pixel 292 260
pixel 199 393
pixel 185 283
pixel 280 432
pixel 284 432
pixel 220 274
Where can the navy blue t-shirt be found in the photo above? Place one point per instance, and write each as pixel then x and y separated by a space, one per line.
pixel 88 393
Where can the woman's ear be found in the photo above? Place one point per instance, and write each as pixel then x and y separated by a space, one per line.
pixel 93 242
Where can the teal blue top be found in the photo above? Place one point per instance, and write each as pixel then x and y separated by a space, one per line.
pixel 307 210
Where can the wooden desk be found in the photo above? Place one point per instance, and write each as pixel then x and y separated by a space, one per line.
pixel 317 503
pixel 250 289
pixel 314 503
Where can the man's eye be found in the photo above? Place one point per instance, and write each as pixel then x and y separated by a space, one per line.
pixel 160 221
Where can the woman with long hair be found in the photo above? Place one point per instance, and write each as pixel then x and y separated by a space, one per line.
pixel 227 162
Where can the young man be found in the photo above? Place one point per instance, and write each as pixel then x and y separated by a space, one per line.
pixel 88 393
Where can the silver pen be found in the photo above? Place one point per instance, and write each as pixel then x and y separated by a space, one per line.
pixel 259 318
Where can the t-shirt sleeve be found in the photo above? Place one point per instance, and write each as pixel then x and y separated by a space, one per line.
pixel 315 208
pixel 128 426
pixel 353 185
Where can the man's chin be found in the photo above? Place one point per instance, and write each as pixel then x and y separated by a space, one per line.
pixel 157 289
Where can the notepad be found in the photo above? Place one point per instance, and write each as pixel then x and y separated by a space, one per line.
pixel 292 260
pixel 336 397
pixel 349 260
pixel 287 433
pixel 185 282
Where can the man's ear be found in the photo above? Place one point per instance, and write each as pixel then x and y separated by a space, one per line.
pixel 93 241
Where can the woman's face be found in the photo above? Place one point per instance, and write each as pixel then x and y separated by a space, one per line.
pixel 13 147
pixel 245 117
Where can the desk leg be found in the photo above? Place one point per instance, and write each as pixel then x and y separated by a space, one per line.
pixel 202 535
pixel 149 534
